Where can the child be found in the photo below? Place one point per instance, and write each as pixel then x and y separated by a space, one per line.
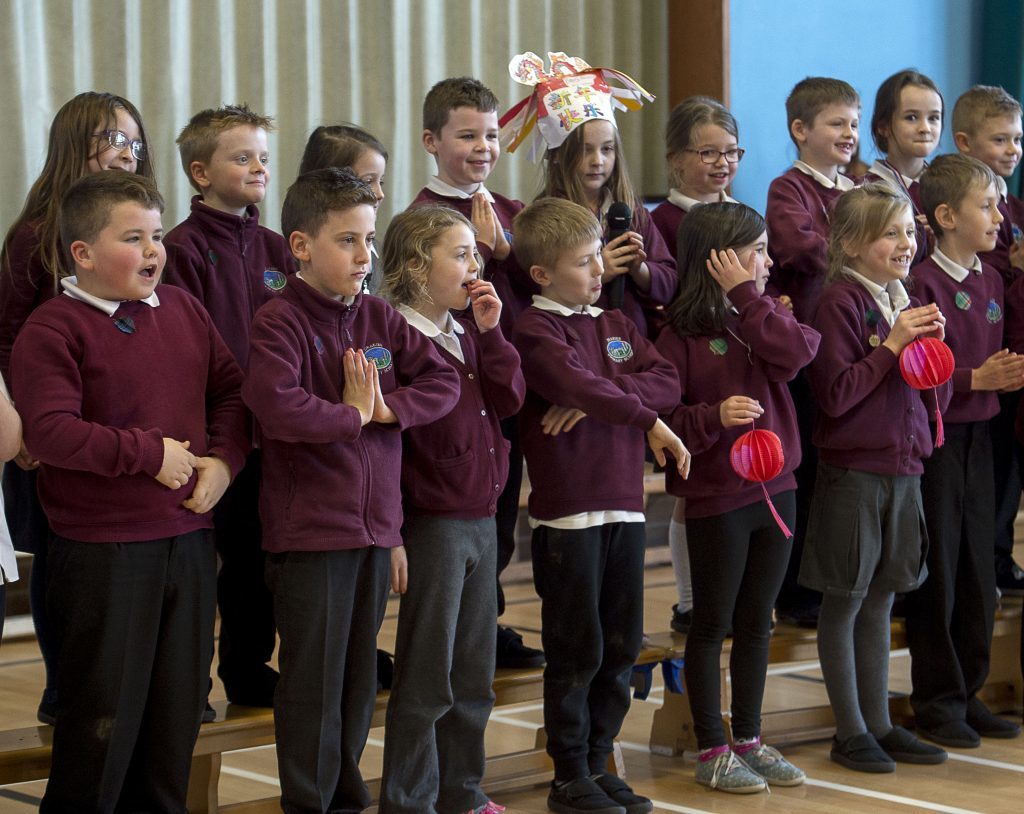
pixel 866 535
pixel 10 444
pixel 586 501
pixel 131 402
pixel 584 163
pixel 452 473
pixel 703 154
pixel 987 126
pixel 906 126
pixel 90 133
pixel 460 129
pixel 734 350
pixel 333 375
pixel 223 257
pixel 823 117
pixel 352 147
pixel 950 617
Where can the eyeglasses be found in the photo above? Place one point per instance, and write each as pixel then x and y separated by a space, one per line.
pixel 732 156
pixel 119 140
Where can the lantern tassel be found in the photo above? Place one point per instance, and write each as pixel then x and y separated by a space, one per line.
pixel 940 435
pixel 778 518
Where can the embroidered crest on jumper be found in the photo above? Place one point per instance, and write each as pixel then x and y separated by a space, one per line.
pixel 1018 235
pixel 718 346
pixel 318 343
pixel 962 300
pixel 274 279
pixel 380 356
pixel 210 253
pixel 993 313
pixel 872 317
pixel 619 350
pixel 125 325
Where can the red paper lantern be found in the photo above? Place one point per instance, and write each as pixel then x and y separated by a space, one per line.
pixel 926 363
pixel 757 456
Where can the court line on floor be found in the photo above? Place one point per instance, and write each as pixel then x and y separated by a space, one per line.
pixel 984 761
pixel 889 798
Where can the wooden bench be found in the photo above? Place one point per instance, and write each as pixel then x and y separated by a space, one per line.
pixel 672 728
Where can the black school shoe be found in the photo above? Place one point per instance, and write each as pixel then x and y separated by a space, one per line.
pixel 862 754
pixel 618 790
pixel 681 620
pixel 47 712
pixel 981 719
pixel 510 652
pixel 1009 576
pixel 903 747
pixel 582 796
pixel 955 734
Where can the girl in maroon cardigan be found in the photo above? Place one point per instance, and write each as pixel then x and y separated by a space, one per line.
pixel 92 132
pixel 735 350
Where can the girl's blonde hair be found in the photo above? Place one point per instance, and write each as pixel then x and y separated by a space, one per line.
pixel 71 146
pixel 562 179
pixel 405 254
pixel 685 118
pixel 858 218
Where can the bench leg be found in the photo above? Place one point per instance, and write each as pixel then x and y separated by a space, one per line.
pixel 202 784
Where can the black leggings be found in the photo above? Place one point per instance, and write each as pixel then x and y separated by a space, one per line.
pixel 738 560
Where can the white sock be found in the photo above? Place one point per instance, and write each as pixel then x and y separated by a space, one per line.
pixel 681 564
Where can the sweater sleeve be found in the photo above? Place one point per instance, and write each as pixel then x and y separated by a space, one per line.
pixel 47 376
pixel 698 424
pixel 794 239
pixel 773 333
pixel 660 262
pixel 22 279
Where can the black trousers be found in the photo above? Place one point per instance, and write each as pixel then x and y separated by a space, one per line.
pixel 950 617
pixel 508 504
pixel 1007 462
pixel 591 585
pixel 738 560
pixel 135 622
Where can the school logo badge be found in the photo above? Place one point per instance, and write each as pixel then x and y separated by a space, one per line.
pixel 274 279
pixel 318 343
pixel 619 350
pixel 718 346
pixel 993 313
pixel 212 255
pixel 962 300
pixel 380 356
pixel 1018 235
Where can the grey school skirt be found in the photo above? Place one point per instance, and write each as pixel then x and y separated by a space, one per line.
pixel 864 529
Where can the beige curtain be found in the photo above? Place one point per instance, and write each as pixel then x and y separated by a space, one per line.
pixel 309 62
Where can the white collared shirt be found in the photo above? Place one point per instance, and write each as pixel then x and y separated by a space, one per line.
pixel 1001 187
pixel 891 298
pixel 686 203
pixel 435 184
pixel 954 269
pixel 883 170
pixel 842 183
pixel 544 304
pixel 108 307
pixel 447 339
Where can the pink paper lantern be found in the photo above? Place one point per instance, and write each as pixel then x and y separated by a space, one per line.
pixel 926 363
pixel 757 456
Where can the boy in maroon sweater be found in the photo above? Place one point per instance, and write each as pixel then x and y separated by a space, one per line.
pixel 131 402
pixel 223 257
pixel 987 126
pixel 950 617
pixel 333 376
pixel 595 387
pixel 460 129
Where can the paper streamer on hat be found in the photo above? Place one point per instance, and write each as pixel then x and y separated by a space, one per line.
pixel 567 95
pixel 925 364
pixel 757 456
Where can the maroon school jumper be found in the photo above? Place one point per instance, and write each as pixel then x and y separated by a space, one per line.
pixel 974 331
pixel 798 216
pixel 605 367
pixel 713 368
pixel 512 284
pixel 869 418
pixel 98 401
pixel 666 218
pixel 24 285
pixel 231 264
pixel 457 466
pixel 328 483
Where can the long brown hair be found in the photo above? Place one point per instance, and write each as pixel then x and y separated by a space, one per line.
pixel 699 307
pixel 562 179
pixel 71 146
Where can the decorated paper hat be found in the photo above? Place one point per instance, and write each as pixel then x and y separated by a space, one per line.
pixel 567 95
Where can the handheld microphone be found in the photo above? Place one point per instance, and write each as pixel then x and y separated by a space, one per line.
pixel 619 219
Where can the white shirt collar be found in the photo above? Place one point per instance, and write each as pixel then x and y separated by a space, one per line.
pixel 954 269
pixel 890 174
pixel 686 203
pixel 108 307
pixel 891 298
pixel 544 304
pixel 1001 187
pixel 435 184
pixel 426 326
pixel 842 183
